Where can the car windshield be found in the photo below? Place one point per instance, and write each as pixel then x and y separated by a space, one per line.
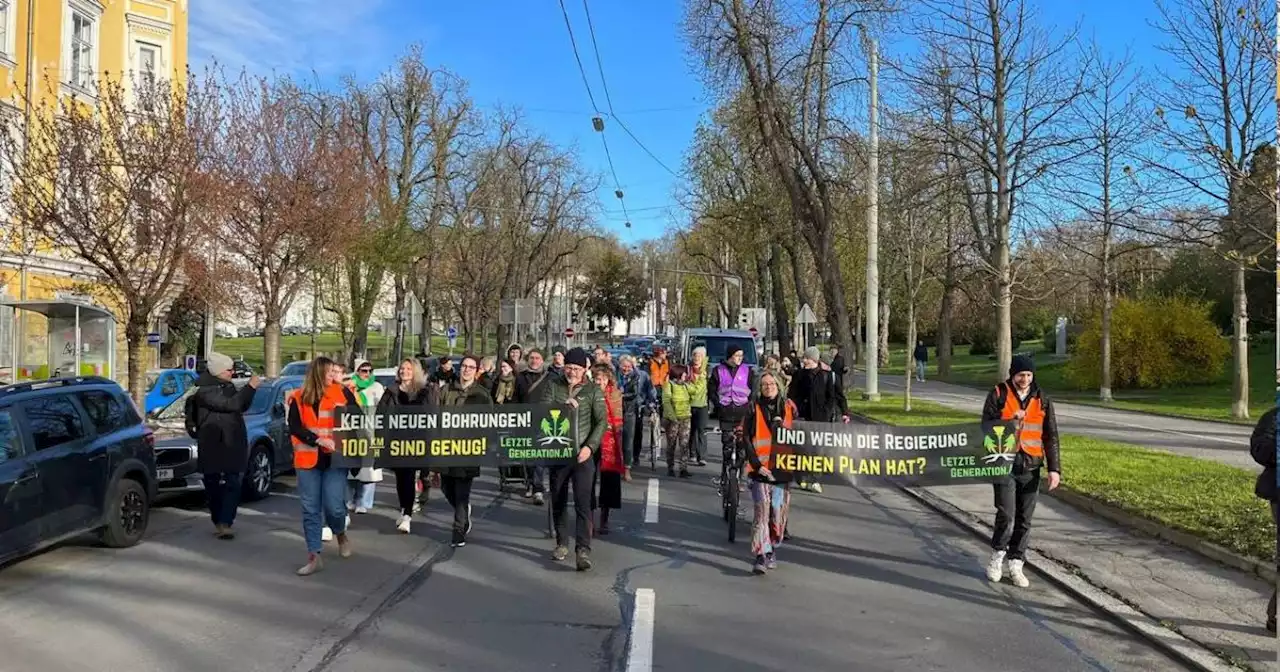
pixel 152 379
pixel 716 346
pixel 176 410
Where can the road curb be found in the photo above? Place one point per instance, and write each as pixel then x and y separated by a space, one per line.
pixel 1176 537
pixel 1167 640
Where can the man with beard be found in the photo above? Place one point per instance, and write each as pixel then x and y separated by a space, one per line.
pixel 586 400
pixel 818 398
pixel 530 386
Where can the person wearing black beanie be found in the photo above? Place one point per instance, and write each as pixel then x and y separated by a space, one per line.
pixel 1019 402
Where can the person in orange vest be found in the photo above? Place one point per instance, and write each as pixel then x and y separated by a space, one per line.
pixel 311 418
pixel 1019 400
pixel 770 491
pixel 659 371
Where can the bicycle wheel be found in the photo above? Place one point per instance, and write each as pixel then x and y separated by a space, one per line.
pixel 731 511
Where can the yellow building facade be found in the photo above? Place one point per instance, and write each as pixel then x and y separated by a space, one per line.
pixel 51 49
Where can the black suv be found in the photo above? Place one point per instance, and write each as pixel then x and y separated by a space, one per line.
pixel 75 457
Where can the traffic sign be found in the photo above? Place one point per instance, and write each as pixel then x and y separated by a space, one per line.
pixel 190 362
pixel 568 332
pixel 806 316
pixel 153 338
pixel 754 332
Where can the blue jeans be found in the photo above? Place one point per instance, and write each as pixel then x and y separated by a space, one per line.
pixel 322 494
pixel 361 494
pixel 919 370
pixel 223 491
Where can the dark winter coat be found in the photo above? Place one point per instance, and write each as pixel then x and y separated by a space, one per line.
pixel 1262 445
pixel 993 411
pixel 428 395
pixel 817 395
pixel 456 395
pixel 921 354
pixel 222 441
pixel 592 416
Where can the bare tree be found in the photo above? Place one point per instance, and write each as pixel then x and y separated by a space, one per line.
pixel 1102 189
pixel 1215 111
pixel 125 184
pixel 1013 87
pixel 293 191
pixel 790 64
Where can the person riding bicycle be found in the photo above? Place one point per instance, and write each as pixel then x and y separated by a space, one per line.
pixel 731 392
pixel 770 490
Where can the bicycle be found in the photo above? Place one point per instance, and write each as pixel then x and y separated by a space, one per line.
pixel 729 486
pixel 656 437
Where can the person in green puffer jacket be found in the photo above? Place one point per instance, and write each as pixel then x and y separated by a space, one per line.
pixel 699 371
pixel 677 415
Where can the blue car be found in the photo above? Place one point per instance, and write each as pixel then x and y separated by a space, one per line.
pixel 166 385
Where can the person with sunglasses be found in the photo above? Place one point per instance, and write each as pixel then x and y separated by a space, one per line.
pixel 364 482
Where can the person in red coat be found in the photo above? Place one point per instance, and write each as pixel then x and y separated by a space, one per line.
pixel 611 465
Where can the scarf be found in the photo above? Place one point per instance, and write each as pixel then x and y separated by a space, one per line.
pixel 363 384
pixel 506 388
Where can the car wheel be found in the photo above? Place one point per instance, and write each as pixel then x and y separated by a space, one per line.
pixel 257 478
pixel 128 512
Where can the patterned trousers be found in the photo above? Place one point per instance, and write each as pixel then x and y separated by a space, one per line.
pixel 772 505
pixel 678 444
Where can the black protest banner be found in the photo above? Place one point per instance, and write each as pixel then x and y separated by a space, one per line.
pixel 855 454
pixel 435 437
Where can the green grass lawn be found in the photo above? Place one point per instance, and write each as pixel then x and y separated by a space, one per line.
pixel 251 350
pixel 1210 500
pixel 1205 402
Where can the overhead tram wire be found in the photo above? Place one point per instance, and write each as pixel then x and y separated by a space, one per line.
pixel 596 122
pixel 595 46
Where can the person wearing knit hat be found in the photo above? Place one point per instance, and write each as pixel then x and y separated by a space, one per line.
pixel 818 398
pixel 1020 404
pixel 731 394
pixel 577 391
pixel 557 360
pixel 216 421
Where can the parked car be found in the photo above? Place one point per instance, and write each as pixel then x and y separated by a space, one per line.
pixel 165 385
pixel 270 451
pixel 716 341
pixel 75 457
pixel 239 369
pixel 294 368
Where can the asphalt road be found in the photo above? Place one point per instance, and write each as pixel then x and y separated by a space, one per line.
pixel 1218 441
pixel 871 582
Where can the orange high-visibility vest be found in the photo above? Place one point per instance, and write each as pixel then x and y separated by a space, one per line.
pixel 658 372
pixel 1031 430
pixel 763 444
pixel 321 423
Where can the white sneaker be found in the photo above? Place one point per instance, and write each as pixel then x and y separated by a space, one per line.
pixel 816 488
pixel 1015 574
pixel 995 567
pixel 348 520
pixel 403 524
pixel 326 534
pixel 361 510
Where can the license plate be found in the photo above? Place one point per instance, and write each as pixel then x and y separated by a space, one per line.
pixel 164 474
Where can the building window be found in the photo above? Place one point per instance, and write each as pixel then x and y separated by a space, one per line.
pixel 5 10
pixel 82 50
pixel 148 65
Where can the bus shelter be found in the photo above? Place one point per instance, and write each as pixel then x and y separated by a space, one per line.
pixel 79 338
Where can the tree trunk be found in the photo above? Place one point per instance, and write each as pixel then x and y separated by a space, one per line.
pixel 397 344
pixel 781 320
pixel 884 327
pixel 911 339
pixel 803 297
pixel 860 348
pixel 946 311
pixel 135 334
pixel 1240 343
pixel 1004 309
pixel 271 345
pixel 1104 391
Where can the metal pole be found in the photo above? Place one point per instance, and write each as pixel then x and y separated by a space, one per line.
pixel 78 341
pixel 873 232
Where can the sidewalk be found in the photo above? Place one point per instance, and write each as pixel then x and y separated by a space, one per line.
pixel 1219 608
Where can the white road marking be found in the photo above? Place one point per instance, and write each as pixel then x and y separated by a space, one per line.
pixel 651 502
pixel 643 616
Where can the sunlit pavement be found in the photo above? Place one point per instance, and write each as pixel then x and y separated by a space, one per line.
pixel 870 582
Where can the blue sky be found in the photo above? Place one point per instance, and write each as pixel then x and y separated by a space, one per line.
pixel 517 53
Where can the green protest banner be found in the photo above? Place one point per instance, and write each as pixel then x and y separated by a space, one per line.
pixel 855 454
pixel 434 437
